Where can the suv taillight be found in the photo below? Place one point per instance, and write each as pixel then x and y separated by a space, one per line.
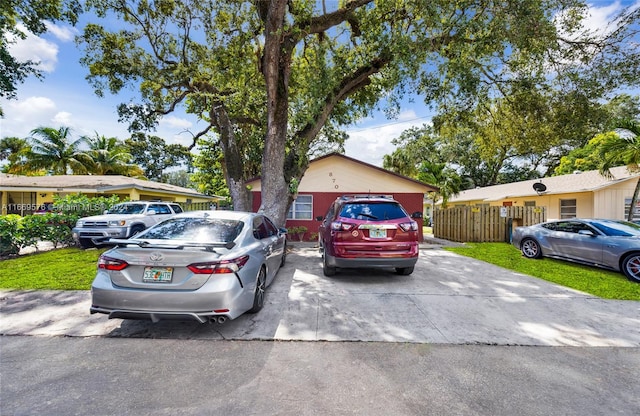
pixel 341 226
pixel 409 226
pixel 219 267
pixel 109 263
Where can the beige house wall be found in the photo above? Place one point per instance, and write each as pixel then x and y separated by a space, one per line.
pixel 605 203
pixel 338 174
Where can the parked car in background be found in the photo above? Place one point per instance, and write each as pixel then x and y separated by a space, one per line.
pixel 609 244
pixel 203 266
pixel 368 231
pixel 122 221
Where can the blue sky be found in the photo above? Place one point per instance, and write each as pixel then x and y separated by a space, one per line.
pixel 64 98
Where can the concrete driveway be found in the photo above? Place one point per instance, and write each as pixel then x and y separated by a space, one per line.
pixel 449 299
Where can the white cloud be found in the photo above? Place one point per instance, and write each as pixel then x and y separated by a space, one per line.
pixel 62 33
pixel 63 118
pixel 370 144
pixel 175 122
pixel 35 49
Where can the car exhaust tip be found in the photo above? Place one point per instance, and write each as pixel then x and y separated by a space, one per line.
pixel 218 319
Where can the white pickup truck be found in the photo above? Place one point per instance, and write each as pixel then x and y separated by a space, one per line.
pixel 122 221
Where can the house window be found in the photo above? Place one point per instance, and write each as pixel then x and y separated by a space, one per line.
pixel 636 212
pixel 529 203
pixel 302 208
pixel 567 208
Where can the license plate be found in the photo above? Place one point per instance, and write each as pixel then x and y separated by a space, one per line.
pixel 157 274
pixel 377 233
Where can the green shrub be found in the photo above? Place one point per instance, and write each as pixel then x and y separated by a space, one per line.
pixel 10 236
pixel 298 231
pixel 18 232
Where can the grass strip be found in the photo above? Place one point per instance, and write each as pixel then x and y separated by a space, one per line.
pixel 599 282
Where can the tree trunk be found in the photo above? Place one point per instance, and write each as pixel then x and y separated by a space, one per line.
pixel 276 70
pixel 232 166
pixel 632 207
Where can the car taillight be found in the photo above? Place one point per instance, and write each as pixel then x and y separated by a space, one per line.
pixel 409 226
pixel 219 267
pixel 341 226
pixel 109 263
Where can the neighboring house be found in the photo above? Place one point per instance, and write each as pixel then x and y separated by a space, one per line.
pixel 334 175
pixel 25 194
pixel 581 194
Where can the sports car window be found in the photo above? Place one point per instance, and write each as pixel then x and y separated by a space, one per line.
pixel 200 230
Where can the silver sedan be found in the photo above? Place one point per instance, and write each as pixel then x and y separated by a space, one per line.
pixel 610 244
pixel 203 266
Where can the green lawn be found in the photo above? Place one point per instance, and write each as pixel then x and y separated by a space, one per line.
pixel 74 269
pixel 63 269
pixel 598 282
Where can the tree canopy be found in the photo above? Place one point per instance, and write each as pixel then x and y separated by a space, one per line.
pixel 276 76
pixel 17 17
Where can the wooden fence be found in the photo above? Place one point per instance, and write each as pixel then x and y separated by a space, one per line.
pixel 483 224
pixel 196 206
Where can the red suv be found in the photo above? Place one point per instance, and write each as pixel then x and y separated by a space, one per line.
pixel 362 231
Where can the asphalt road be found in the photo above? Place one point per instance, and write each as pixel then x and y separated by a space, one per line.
pixel 458 337
pixel 129 376
pixel 449 299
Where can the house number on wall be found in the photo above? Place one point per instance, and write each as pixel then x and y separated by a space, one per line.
pixel 333 180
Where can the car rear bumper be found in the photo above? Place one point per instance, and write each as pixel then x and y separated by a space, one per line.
pixel 379 262
pixel 98 235
pixel 202 304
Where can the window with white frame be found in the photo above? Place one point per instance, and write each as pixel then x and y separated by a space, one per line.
pixel 301 208
pixel 568 208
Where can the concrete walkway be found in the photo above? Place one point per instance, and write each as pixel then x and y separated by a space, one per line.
pixel 449 299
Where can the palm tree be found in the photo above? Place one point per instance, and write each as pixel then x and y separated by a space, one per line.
pixel 54 151
pixel 13 150
pixel 445 178
pixel 623 149
pixel 108 156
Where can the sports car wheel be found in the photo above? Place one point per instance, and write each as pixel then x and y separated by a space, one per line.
pixel 326 269
pixel 531 249
pixel 631 267
pixel 258 296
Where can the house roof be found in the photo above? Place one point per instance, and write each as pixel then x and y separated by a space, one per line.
pixel 91 183
pixel 368 166
pixel 576 182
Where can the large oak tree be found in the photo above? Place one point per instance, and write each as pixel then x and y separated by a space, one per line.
pixel 284 70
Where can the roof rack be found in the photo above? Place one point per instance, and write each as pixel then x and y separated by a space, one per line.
pixel 370 196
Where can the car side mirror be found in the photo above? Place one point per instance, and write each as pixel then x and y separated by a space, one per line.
pixel 319 218
pixel 416 215
pixel 151 212
pixel 586 232
pixel 282 230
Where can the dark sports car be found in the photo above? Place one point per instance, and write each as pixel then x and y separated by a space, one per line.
pixel 610 244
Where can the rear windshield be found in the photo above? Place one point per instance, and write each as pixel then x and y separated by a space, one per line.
pixel 200 230
pixel 373 211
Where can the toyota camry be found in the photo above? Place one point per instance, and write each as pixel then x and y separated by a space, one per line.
pixel 203 266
